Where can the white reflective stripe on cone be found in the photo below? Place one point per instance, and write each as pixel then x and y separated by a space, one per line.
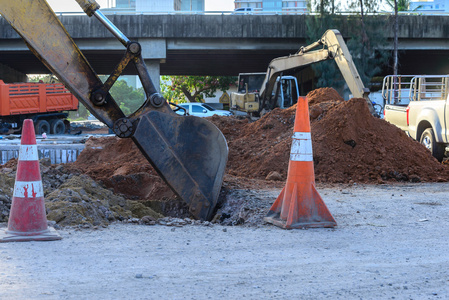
pixel 301 147
pixel 28 152
pixel 28 189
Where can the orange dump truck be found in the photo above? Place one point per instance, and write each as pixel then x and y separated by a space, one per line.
pixel 45 104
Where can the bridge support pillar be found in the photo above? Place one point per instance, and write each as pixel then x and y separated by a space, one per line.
pixel 154 51
pixel 154 68
pixel 9 75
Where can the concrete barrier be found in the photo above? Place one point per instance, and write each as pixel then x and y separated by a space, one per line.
pixel 57 153
pixel 60 149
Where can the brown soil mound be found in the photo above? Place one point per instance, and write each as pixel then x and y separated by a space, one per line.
pixel 119 164
pixel 349 146
pixel 323 95
pixel 256 149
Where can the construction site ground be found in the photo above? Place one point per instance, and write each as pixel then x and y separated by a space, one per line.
pixel 390 243
pixel 127 235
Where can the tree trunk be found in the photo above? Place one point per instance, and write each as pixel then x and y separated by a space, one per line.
pixel 364 36
pixel 189 96
pixel 395 46
pixel 395 53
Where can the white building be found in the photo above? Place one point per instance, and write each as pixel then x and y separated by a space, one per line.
pixel 430 6
pixel 192 5
pixel 298 6
pixel 149 5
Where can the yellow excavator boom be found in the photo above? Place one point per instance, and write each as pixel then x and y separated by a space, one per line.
pixel 332 47
pixel 188 152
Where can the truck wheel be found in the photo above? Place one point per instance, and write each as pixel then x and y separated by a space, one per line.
pixel 428 140
pixel 41 127
pixel 57 126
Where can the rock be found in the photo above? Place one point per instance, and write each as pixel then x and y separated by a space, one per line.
pixel 7 170
pixel 45 162
pixel 139 210
pixel 315 111
pixel 5 199
pixel 148 220
pixel 274 176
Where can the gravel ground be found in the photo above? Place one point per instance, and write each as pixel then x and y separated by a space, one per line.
pixel 391 243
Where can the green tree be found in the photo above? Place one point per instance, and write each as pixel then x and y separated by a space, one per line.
pixel 194 88
pixel 127 97
pixel 81 113
pixel 365 44
pixel 397 6
pixel 327 72
pixel 45 78
pixel 403 5
pixel 323 7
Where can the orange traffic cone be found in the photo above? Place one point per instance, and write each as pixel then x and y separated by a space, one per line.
pixel 27 217
pixel 299 205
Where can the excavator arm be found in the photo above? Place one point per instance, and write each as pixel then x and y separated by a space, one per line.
pixel 332 47
pixel 188 152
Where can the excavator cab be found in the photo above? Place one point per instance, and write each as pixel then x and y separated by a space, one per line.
pixel 286 91
pixel 188 152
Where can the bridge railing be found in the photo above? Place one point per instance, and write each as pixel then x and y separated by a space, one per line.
pixel 131 12
pixel 285 12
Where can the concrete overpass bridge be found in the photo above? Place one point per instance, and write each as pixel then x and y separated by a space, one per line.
pixel 221 44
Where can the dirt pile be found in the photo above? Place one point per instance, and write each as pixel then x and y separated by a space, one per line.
pixel 6 190
pixel 321 101
pixel 119 165
pixel 349 145
pixel 323 95
pixel 80 200
pixel 74 199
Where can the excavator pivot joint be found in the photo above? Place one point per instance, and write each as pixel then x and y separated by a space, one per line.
pixel 134 48
pixel 98 97
pixel 157 100
pixel 124 128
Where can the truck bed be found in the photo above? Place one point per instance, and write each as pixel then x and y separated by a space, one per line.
pixel 29 98
pixel 397 115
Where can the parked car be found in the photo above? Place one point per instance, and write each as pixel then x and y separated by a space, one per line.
pixel 243 11
pixel 201 110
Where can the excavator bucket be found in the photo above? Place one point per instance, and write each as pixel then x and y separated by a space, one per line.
pixel 189 153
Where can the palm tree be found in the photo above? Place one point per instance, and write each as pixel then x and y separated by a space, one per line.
pixel 403 5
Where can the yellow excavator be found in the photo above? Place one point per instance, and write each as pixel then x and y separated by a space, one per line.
pixel 188 152
pixel 330 46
